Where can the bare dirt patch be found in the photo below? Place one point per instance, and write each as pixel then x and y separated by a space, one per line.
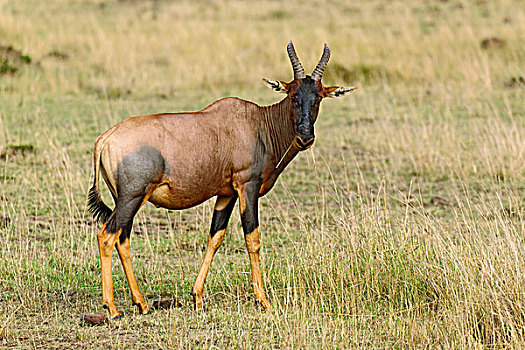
pixel 493 43
pixel 515 82
pixel 17 150
pixel 11 59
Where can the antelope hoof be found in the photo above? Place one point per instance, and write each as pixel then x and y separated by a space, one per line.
pixel 143 308
pixel 264 303
pixel 113 312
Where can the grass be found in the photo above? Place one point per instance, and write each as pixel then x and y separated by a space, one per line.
pixel 402 227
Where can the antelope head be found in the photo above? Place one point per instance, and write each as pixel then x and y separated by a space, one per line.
pixel 306 93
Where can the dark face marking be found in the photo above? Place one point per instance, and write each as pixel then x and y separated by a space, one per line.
pixel 221 217
pixel 339 93
pixel 305 100
pixel 275 86
pixel 134 175
pixel 250 216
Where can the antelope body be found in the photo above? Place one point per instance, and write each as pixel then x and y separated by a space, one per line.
pixel 233 149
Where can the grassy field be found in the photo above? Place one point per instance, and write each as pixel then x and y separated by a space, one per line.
pixel 402 227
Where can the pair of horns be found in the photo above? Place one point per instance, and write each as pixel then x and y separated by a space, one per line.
pixel 298 70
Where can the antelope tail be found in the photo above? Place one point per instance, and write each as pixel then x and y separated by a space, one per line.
pixel 96 206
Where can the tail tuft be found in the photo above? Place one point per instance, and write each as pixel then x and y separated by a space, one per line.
pixel 97 207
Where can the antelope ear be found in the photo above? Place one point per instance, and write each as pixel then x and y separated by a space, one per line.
pixel 276 85
pixel 337 91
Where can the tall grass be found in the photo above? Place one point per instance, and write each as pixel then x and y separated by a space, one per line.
pixel 403 226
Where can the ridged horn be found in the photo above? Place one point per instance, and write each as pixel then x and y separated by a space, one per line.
pixel 298 70
pixel 319 70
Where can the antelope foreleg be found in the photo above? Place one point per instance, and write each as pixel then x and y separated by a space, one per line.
pixel 106 244
pixel 213 244
pixel 221 216
pixel 249 208
pixel 253 245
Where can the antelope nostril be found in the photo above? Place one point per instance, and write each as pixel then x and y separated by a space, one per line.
pixel 304 144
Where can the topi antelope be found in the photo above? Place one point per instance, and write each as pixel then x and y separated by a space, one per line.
pixel 232 149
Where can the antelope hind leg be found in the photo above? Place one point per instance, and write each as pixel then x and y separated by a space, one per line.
pixel 121 219
pixel 106 244
pixel 123 248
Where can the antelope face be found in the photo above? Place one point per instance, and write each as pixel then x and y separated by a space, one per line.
pixel 305 103
pixel 306 93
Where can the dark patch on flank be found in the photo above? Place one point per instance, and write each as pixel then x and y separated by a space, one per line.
pixel 138 169
pixel 221 217
pixel 250 216
pixel 134 175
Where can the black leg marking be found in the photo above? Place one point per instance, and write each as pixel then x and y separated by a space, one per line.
pixel 250 216
pixel 126 232
pixel 221 217
pixel 122 217
pixel 194 300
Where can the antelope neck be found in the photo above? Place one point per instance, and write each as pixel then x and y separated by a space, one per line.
pixel 278 124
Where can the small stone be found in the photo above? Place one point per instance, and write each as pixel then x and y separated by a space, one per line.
pixel 95 319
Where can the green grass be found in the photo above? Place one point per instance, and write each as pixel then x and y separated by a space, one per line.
pixel 402 227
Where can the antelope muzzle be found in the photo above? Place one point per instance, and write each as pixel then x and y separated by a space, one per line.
pixel 305 136
pixel 304 143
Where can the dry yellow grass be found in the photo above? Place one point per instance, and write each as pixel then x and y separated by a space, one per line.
pixel 403 227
